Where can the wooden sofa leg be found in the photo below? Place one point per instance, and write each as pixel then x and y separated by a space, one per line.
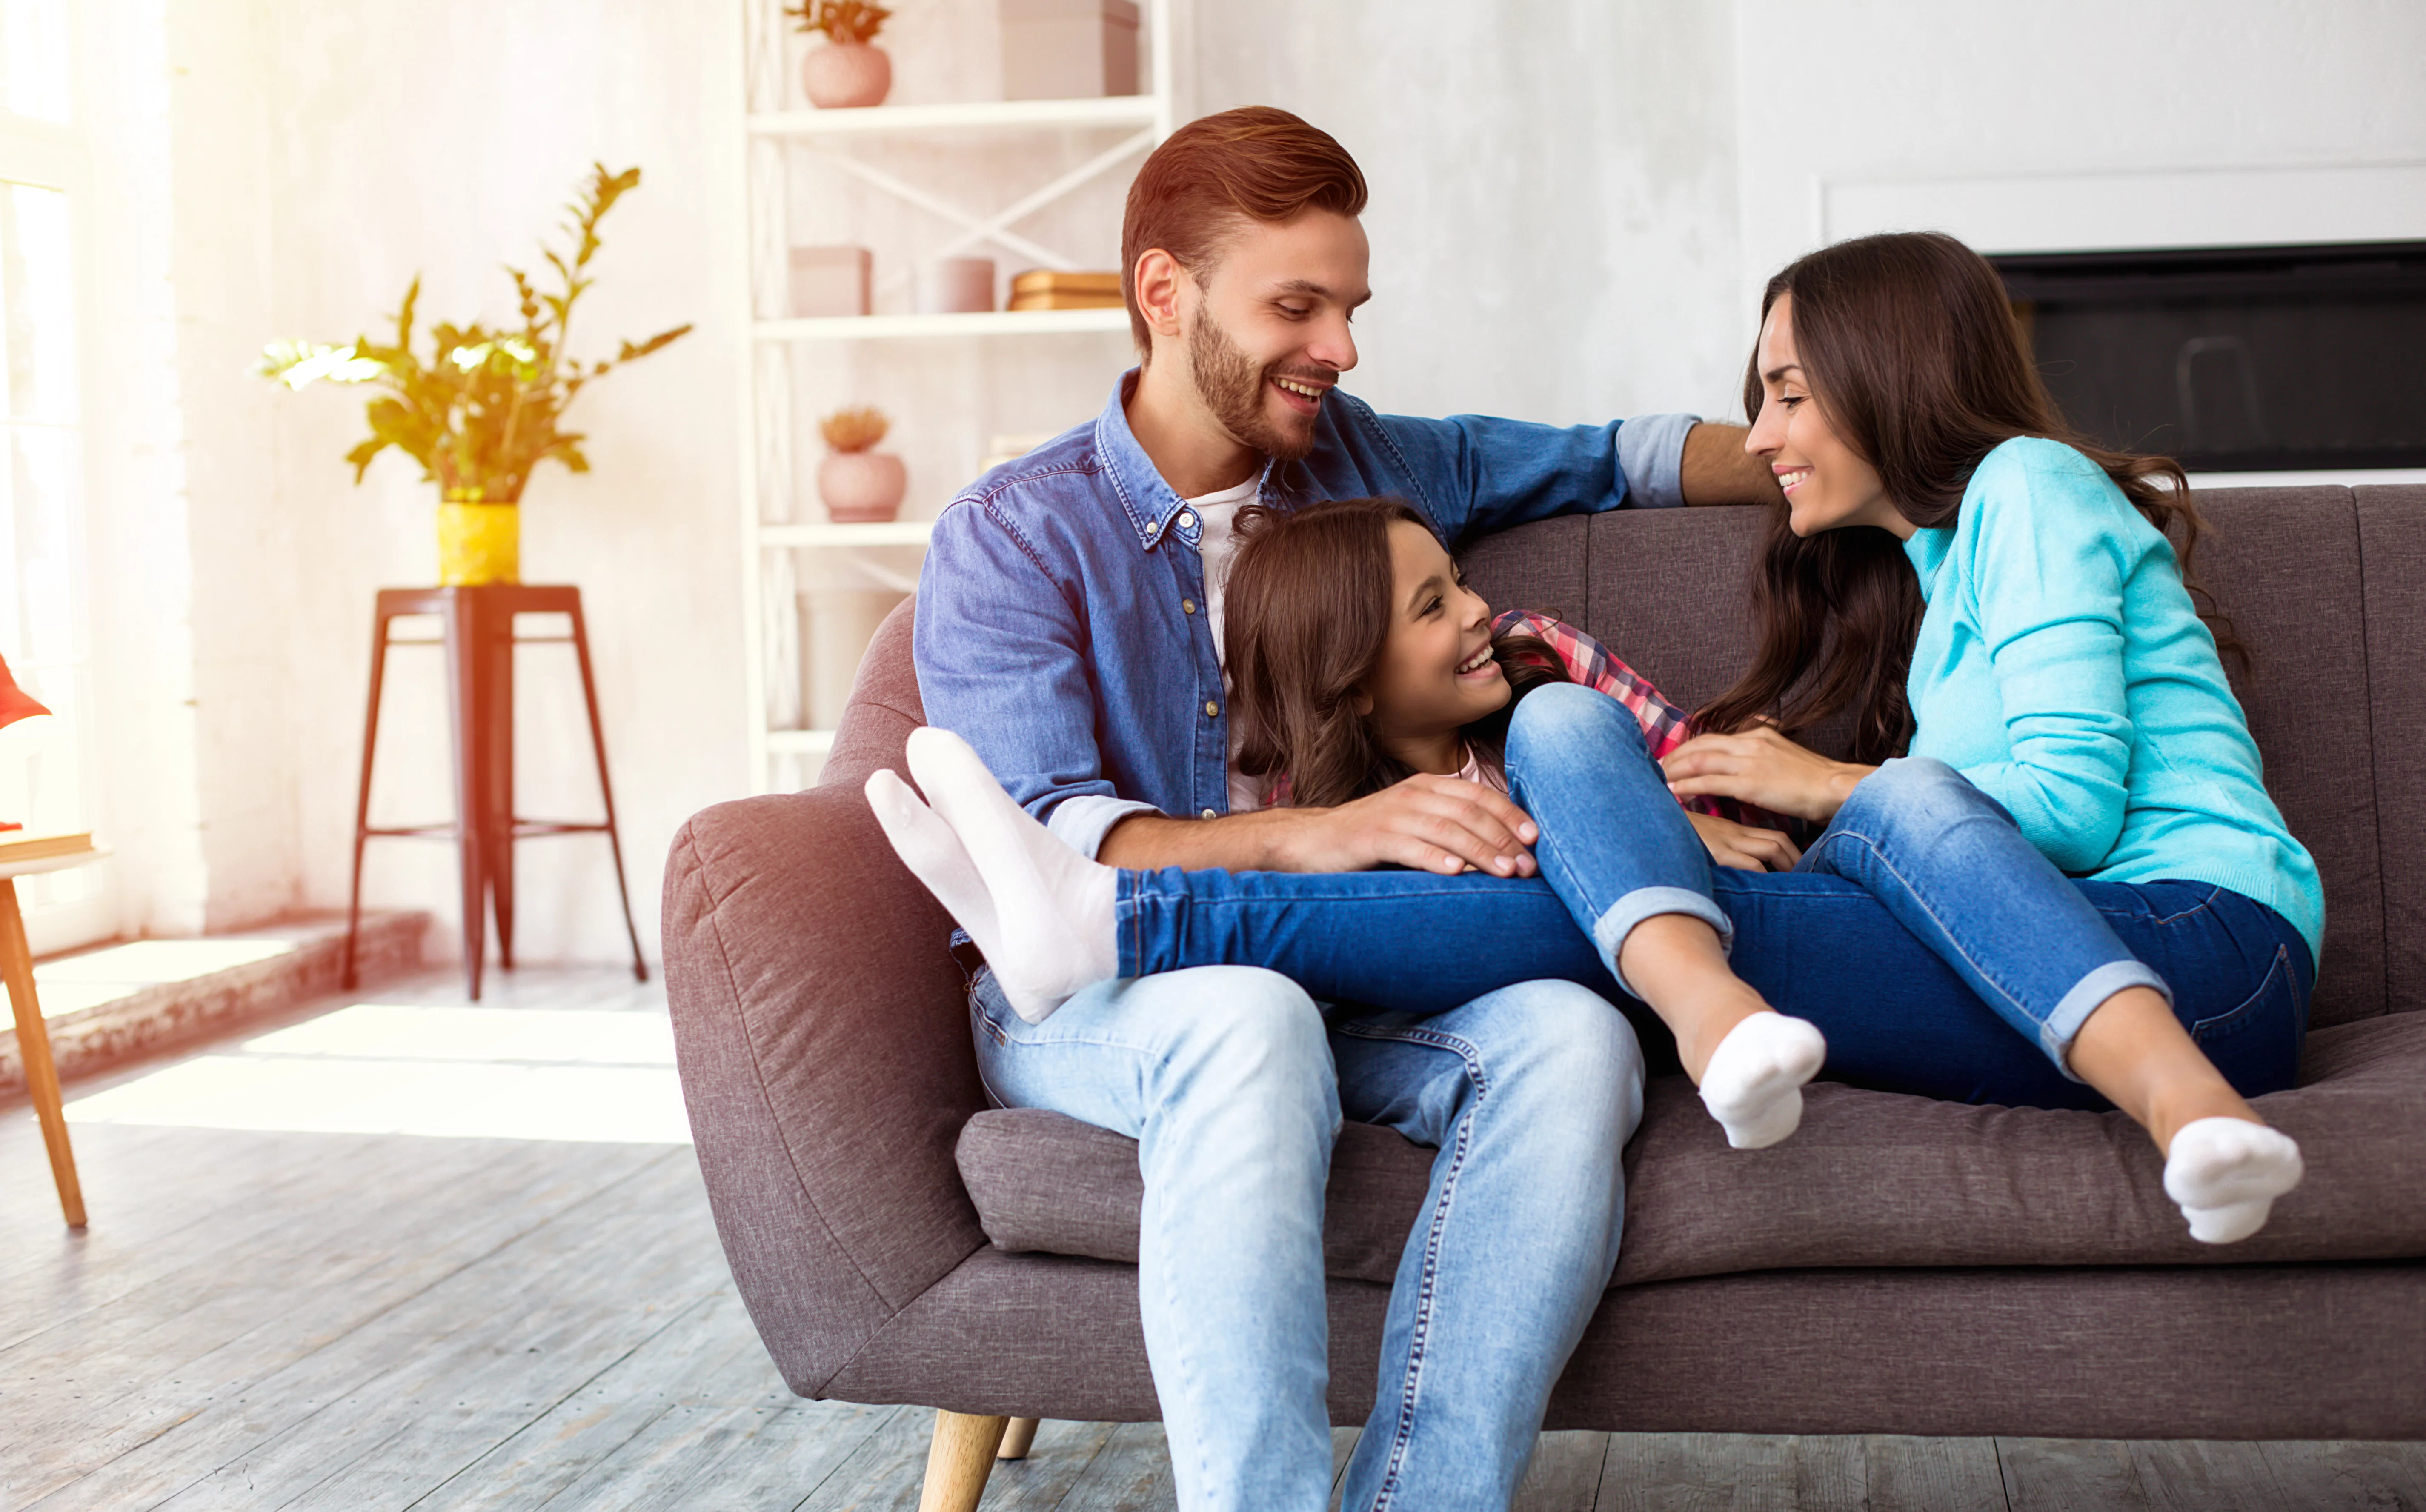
pixel 1016 1439
pixel 959 1460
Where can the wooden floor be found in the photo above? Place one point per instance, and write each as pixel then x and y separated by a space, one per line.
pixel 415 1254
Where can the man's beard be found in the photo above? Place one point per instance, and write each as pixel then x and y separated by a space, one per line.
pixel 1231 386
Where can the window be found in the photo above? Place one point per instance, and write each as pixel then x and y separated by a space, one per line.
pixel 46 773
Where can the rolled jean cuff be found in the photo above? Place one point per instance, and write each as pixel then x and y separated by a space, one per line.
pixel 1610 929
pixel 2060 1028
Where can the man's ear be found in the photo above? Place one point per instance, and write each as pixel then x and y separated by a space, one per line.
pixel 1162 286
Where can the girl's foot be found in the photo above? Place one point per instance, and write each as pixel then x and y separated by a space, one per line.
pixel 933 854
pixel 1051 932
pixel 2226 1174
pixel 1753 1083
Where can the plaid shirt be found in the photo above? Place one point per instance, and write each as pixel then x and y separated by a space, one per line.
pixel 1665 727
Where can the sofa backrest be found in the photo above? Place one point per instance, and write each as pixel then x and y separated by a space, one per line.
pixel 2327 586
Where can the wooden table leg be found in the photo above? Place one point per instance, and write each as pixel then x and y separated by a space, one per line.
pixel 34 1049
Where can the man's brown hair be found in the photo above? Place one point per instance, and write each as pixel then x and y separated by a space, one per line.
pixel 1255 163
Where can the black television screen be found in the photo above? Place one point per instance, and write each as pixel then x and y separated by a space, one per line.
pixel 2254 358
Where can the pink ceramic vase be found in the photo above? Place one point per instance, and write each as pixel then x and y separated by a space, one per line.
pixel 862 488
pixel 842 74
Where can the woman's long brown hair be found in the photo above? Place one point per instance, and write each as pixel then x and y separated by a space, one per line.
pixel 1911 350
pixel 1307 613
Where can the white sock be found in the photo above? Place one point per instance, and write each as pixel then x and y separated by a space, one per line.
pixel 2226 1174
pixel 1054 926
pixel 1754 1084
pixel 933 854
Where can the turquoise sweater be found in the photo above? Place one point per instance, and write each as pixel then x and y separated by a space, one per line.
pixel 2062 668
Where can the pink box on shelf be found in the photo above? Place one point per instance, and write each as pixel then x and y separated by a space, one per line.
pixel 829 281
pixel 1068 49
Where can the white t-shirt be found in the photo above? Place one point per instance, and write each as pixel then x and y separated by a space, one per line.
pixel 1217 514
pixel 1217 545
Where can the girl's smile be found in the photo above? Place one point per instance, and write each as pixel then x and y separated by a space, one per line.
pixel 1437 670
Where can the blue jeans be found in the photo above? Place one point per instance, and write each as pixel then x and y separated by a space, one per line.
pixel 1234 1082
pixel 1936 949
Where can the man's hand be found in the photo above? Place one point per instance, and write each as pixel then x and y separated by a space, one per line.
pixel 1430 824
pixel 1742 846
pixel 1763 767
pixel 1718 470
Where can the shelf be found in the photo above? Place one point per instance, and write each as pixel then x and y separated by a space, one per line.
pixel 982 323
pixel 890 533
pixel 799 742
pixel 870 120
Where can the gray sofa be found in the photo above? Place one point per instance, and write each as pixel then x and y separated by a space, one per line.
pixel 1900 1266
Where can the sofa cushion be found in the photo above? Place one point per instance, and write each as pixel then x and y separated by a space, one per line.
pixel 1872 1179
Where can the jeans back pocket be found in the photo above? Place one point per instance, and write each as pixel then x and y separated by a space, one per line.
pixel 2256 1043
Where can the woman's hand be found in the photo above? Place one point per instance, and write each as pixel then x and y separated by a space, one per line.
pixel 1744 848
pixel 1763 767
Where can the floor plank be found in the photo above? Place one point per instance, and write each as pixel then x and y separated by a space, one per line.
pixel 1131 1474
pixel 432 1385
pixel 1564 1475
pixel 2380 1478
pixel 883 1472
pixel 1042 1482
pixel 1908 1475
pixel 165 1355
pixel 1695 1472
pixel 2069 1475
pixel 2206 1476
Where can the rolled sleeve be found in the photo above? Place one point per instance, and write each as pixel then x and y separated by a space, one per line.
pixel 1651 453
pixel 1082 820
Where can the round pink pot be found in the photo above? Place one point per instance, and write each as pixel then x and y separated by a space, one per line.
pixel 842 74
pixel 862 488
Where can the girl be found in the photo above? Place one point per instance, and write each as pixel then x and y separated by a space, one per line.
pixel 1356 656
pixel 1982 589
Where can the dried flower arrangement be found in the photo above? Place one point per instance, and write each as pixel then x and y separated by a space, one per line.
pixel 854 430
pixel 842 20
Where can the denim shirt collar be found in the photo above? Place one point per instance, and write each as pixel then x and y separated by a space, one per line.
pixel 1152 505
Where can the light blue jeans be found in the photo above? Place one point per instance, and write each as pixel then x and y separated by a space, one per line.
pixel 1234 1082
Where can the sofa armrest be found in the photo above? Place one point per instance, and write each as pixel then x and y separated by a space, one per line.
pixel 822 1037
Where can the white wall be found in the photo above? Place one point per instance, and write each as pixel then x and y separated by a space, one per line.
pixel 2078 123
pixel 1553 211
pixel 321 154
pixel 1573 207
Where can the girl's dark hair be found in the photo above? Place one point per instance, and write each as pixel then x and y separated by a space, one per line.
pixel 1910 347
pixel 1308 611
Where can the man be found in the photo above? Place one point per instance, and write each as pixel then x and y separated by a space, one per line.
pixel 1069 627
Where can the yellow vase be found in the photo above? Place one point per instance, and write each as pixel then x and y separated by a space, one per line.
pixel 478 543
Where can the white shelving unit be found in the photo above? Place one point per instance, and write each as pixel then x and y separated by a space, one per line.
pixel 772 539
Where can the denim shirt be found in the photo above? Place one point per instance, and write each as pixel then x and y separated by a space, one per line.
pixel 1061 626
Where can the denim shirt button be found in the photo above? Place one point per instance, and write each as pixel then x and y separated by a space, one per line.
pixel 1188 605
pixel 1211 709
pixel 1186 520
pixel 1209 815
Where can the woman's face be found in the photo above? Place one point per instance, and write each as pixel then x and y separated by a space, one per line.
pixel 1437 671
pixel 1828 485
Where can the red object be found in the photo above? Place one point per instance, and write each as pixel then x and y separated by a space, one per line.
pixel 15 704
pixel 478 643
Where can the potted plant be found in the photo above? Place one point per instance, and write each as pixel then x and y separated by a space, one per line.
pixel 846 71
pixel 859 484
pixel 487 405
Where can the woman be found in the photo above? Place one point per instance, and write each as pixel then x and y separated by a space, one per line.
pixel 1992 588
